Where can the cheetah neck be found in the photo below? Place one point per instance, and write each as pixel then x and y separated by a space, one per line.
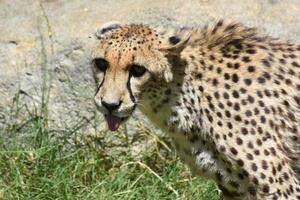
pixel 161 101
pixel 155 103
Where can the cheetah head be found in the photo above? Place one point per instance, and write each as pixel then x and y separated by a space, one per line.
pixel 124 59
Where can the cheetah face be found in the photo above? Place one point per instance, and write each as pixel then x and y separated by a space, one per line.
pixel 124 60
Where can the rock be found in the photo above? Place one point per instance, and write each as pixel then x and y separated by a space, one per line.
pixel 47 45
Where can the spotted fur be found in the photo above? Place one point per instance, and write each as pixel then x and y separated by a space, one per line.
pixel 227 96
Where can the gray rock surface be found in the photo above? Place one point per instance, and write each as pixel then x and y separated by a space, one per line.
pixel 46 44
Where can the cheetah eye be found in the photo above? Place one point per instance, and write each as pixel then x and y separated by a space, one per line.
pixel 137 70
pixel 101 64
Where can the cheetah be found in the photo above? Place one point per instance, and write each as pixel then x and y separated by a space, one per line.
pixel 228 96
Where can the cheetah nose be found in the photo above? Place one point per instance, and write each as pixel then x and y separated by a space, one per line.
pixel 111 106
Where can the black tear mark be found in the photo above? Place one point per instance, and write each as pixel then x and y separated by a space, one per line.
pixel 129 89
pixel 101 83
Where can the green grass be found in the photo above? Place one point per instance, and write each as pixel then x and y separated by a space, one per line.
pixel 43 170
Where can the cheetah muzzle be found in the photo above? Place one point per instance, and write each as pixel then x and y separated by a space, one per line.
pixel 228 97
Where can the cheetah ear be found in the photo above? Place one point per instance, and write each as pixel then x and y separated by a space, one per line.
pixel 162 69
pixel 106 28
pixel 175 43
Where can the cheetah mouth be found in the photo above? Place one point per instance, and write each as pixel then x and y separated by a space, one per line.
pixel 114 122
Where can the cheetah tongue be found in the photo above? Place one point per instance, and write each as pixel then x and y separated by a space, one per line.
pixel 113 122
